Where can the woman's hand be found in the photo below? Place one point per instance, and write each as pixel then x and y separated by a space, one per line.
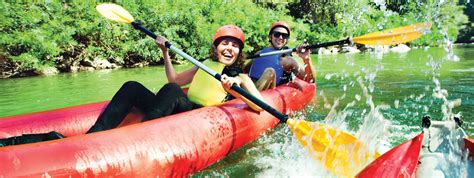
pixel 227 81
pixel 160 41
pixel 303 52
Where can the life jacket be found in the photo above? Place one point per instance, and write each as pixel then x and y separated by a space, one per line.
pixel 260 64
pixel 205 90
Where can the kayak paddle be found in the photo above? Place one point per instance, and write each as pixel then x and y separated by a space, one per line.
pixel 387 37
pixel 321 139
pixel 340 152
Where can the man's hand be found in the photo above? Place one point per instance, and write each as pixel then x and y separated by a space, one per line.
pixel 302 52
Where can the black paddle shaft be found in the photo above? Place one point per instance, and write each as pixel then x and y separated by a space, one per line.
pixel 319 45
pixel 282 117
pixel 138 26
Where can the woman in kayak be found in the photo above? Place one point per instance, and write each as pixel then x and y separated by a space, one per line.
pixel 271 71
pixel 204 90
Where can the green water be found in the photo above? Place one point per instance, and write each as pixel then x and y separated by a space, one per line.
pixel 402 86
pixel 402 83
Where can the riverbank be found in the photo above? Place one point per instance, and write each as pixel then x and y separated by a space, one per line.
pixel 9 69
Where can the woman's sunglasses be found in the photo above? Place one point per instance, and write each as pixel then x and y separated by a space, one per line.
pixel 278 34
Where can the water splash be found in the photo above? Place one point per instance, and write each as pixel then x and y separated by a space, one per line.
pixel 447 158
pixel 374 128
pixel 447 43
pixel 287 157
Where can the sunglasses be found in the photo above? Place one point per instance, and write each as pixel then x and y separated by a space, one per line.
pixel 283 35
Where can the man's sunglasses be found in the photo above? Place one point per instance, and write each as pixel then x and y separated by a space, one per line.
pixel 283 35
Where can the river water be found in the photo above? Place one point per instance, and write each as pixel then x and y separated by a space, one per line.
pixel 382 95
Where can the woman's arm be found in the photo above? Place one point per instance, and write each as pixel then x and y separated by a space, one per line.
pixel 246 83
pixel 182 78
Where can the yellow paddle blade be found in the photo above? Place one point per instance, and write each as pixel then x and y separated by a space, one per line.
pixel 114 12
pixel 340 152
pixel 394 36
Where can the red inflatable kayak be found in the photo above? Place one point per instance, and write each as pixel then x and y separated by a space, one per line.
pixel 173 146
pixel 469 145
pixel 400 161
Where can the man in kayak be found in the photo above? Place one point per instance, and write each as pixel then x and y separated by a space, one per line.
pixel 204 90
pixel 270 71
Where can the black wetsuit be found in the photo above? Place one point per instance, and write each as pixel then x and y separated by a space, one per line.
pixel 169 100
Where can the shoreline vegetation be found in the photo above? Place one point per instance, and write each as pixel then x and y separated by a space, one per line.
pixel 54 37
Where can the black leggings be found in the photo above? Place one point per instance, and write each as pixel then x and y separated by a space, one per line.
pixel 169 100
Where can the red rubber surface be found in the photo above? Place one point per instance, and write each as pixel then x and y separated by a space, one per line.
pixel 176 146
pixel 400 161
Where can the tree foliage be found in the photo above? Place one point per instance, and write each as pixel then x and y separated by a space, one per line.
pixel 69 33
pixel 332 20
pixel 65 34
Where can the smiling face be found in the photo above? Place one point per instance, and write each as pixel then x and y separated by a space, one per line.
pixel 228 50
pixel 279 37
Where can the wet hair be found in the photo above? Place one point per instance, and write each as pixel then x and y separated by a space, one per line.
pixel 239 62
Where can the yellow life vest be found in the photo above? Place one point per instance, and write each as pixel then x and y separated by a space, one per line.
pixel 205 90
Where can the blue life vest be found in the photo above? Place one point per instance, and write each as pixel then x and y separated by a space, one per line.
pixel 260 64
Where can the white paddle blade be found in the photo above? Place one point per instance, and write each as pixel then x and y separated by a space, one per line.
pixel 114 12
